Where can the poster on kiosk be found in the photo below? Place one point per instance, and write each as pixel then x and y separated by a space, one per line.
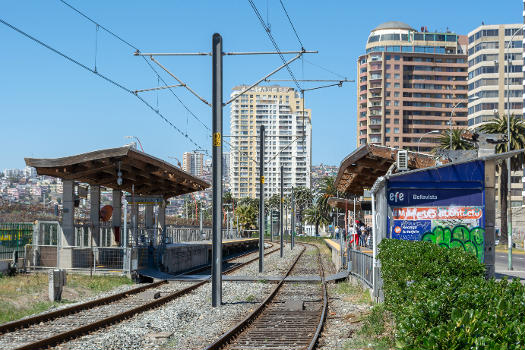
pixel 452 217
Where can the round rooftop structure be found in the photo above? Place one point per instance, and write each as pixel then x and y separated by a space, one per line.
pixel 393 25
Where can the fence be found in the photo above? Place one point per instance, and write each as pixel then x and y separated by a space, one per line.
pixel 82 258
pixel 362 266
pixel 13 237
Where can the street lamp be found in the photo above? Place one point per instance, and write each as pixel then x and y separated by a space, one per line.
pixel 429 132
pixel 509 175
pixel 470 99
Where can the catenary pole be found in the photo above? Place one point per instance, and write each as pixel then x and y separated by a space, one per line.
pixel 217 169
pixel 281 211
pixel 293 220
pixel 261 199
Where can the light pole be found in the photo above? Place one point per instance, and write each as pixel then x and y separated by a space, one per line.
pixel 427 133
pixel 470 99
pixel 509 175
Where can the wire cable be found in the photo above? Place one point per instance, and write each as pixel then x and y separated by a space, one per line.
pixel 268 32
pixel 107 30
pixel 109 80
pixel 325 69
pixel 293 27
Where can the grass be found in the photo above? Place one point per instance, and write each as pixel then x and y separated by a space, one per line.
pixel 375 333
pixel 24 295
pixel 354 293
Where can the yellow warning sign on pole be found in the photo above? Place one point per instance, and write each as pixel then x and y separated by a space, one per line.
pixel 262 179
pixel 217 139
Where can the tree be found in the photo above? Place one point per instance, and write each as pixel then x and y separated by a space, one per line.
pixel 303 200
pixel 326 190
pixel 458 143
pixel 247 215
pixel 498 125
pixel 314 215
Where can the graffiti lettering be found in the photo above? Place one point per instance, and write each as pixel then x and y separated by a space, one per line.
pixel 470 240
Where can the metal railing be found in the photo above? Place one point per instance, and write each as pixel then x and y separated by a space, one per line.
pixel 82 258
pixel 361 266
pixel 13 237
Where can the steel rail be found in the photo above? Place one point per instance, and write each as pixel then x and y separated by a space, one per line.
pixel 88 328
pixel 227 337
pixel 24 323
pixel 235 330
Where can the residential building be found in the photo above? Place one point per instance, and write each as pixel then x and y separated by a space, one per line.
pixel 490 54
pixel 192 163
pixel 495 71
pixel 288 134
pixel 409 84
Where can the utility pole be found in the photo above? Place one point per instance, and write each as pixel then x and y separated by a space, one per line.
pixel 281 211
pixel 216 291
pixel 261 199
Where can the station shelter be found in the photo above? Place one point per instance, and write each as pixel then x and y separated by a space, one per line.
pixel 148 181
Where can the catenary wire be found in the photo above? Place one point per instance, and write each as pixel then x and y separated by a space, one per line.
pixel 107 30
pixel 109 80
pixel 268 32
pixel 291 23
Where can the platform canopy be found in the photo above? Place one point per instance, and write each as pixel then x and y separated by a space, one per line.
pixel 150 175
pixel 360 169
pixel 348 204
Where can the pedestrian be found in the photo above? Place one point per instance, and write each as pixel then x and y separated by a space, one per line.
pixel 337 232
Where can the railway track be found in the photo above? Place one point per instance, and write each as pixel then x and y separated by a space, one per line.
pixel 291 317
pixel 46 330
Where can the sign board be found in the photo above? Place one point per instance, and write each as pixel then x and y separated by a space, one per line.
pixel 144 199
pixel 445 206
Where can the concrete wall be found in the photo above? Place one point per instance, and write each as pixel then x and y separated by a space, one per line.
pixel 182 257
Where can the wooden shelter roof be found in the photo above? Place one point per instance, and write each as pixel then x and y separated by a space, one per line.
pixel 150 175
pixel 360 169
pixel 348 204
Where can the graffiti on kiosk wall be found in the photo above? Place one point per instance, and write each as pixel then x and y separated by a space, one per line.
pixel 453 226
pixel 469 239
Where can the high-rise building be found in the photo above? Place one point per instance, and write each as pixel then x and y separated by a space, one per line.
pixel 409 83
pixel 287 140
pixel 192 163
pixel 490 54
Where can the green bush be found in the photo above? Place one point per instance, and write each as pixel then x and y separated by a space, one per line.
pixel 440 299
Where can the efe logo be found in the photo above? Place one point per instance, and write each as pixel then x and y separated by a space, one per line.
pixel 397 197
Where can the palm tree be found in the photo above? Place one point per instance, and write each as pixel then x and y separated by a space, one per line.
pixel 498 125
pixel 303 199
pixel 458 143
pixel 314 215
pixel 326 190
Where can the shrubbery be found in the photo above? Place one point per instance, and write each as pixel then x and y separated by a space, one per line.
pixel 441 300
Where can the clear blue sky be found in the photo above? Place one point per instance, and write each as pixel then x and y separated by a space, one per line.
pixel 50 108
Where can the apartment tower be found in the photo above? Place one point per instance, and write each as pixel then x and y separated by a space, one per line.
pixel 412 84
pixel 288 134
pixel 491 53
pixel 192 163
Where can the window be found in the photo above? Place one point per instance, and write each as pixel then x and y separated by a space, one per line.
pixel 396 139
pixel 387 85
pixel 396 112
pixel 385 37
pixel 396 130
pixel 373 38
pixel 396 93
pixel 406 49
pixel 397 58
pixel 396 121
pixel 396 103
pixel 396 66
pixel 419 36
pixel 387 76
pixel 397 85
pixel 387 130
pixel 396 76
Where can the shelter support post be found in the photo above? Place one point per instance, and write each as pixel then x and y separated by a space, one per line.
pixel 116 218
pixel 490 218
pixel 94 214
pixel 68 213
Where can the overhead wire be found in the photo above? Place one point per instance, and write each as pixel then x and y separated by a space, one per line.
pixel 115 83
pixel 107 30
pixel 291 23
pixel 268 32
